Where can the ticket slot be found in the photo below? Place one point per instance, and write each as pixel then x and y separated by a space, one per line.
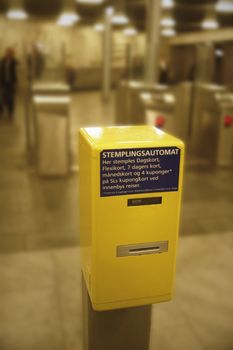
pixel 142 249
pixel 133 202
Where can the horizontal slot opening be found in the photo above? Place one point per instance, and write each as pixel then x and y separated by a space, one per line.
pixel 144 201
pixel 136 250
pixel 142 248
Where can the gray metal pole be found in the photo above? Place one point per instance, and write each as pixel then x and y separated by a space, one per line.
pixel 107 54
pixel 123 329
pixel 205 62
pixel 153 40
pixel 63 60
pixel 128 61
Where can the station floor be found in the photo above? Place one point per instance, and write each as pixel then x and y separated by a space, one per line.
pixel 40 288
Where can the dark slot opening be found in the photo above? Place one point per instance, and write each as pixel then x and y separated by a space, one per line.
pixel 143 249
pixel 144 201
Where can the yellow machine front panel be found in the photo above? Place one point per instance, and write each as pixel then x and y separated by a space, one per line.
pixel 129 229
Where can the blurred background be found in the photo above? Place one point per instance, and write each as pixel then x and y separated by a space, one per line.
pixel 66 64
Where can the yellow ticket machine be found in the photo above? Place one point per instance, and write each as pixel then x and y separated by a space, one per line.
pixel 130 193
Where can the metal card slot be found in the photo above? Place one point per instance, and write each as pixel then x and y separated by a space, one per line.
pixel 144 201
pixel 142 249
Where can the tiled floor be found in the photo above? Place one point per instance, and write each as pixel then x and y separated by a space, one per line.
pixel 40 293
pixel 40 299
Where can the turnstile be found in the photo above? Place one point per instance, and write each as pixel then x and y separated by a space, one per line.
pixel 213 125
pixel 40 88
pixel 225 132
pixel 51 120
pixel 156 109
pixel 49 88
pixel 167 107
pixel 127 98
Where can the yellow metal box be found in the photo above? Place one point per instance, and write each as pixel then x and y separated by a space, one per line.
pixel 130 193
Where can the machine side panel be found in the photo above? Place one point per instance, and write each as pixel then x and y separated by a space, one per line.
pixel 86 213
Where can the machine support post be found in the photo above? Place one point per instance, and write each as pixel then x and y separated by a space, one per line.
pixel 125 329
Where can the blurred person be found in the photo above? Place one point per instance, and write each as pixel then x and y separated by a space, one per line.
pixel 192 73
pixel 71 76
pixel 8 81
pixel 163 72
pixel 1 101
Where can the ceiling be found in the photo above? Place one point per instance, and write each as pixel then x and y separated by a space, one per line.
pixel 188 13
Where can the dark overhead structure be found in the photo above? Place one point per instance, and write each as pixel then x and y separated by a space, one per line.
pixel 43 8
pixel 188 14
pixel 3 6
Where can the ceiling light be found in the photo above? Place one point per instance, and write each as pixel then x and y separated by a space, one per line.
pixel 167 22
pixel 224 6
pixel 130 31
pixel 69 15
pixel 68 19
pixel 209 24
pixel 99 27
pixel 65 22
pixel 167 4
pixel 94 2
pixel 16 11
pixel 168 32
pixel 109 10
pixel 219 52
pixel 120 18
pixel 169 98
pixel 146 96
pixel 17 14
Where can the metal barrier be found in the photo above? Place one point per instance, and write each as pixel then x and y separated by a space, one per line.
pixel 167 107
pixel 127 98
pixel 212 138
pixel 51 120
pixel 44 89
pixel 156 109
pixel 49 88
